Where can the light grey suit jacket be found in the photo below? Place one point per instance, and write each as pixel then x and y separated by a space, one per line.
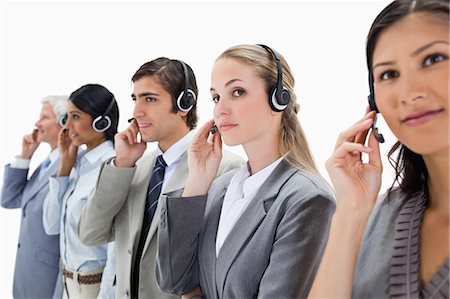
pixel 37 258
pixel 116 211
pixel 273 251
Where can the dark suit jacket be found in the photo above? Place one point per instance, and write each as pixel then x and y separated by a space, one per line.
pixel 37 259
pixel 273 251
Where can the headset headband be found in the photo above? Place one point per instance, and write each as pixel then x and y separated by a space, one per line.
pixel 279 68
pixel 109 107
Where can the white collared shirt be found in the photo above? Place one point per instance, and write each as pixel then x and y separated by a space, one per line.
pixel 240 192
pixel 62 209
pixel 172 156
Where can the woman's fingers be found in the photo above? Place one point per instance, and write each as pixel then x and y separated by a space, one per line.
pixel 217 143
pixel 361 137
pixel 204 131
pixel 352 149
pixel 203 141
pixel 356 133
pixel 73 150
pixel 61 135
pixel 374 155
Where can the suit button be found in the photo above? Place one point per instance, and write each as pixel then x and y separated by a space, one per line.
pixel 18 245
pixel 130 251
pixel 127 293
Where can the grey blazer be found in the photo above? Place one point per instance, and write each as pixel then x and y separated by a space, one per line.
pixel 37 258
pixel 115 211
pixel 382 259
pixel 273 251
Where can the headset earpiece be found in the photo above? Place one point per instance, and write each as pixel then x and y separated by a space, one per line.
pixel 279 96
pixel 279 101
pixel 186 100
pixel 102 123
pixel 373 107
pixel 62 120
pixel 187 97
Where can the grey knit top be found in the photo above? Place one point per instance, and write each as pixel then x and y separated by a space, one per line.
pixel 388 262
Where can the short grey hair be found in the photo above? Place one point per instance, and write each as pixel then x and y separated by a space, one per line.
pixel 59 104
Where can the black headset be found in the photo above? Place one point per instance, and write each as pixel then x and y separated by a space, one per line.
pixel 62 120
pixel 371 97
pixel 100 124
pixel 279 96
pixel 187 97
pixel 373 107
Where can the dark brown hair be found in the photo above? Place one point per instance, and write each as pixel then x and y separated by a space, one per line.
pixel 410 170
pixel 170 74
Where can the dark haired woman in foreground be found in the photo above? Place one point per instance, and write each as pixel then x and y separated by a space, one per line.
pixel 397 246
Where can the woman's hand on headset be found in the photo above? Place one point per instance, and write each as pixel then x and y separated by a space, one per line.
pixel 204 156
pixel 67 151
pixel 356 182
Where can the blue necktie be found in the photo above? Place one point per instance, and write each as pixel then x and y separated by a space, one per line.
pixel 44 167
pixel 154 190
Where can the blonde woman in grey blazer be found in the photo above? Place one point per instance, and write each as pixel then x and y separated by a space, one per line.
pixel 260 231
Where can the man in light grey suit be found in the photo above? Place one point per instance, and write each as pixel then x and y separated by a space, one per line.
pixel 165 94
pixel 37 258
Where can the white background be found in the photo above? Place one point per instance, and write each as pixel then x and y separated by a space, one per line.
pixel 55 47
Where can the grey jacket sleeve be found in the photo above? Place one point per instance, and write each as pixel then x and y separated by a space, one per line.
pixel 178 237
pixel 96 224
pixel 14 182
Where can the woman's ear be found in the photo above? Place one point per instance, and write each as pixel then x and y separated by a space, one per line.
pixel 275 113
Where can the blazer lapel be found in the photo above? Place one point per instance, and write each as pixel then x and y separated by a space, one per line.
pixel 37 184
pixel 137 198
pixel 250 220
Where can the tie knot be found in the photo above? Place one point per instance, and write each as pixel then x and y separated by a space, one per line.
pixel 160 161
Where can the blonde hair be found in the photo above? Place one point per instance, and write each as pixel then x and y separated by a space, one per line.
pixel 292 143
